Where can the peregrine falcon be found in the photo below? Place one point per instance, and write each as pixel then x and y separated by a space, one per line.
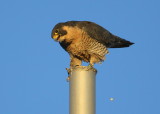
pixel 86 41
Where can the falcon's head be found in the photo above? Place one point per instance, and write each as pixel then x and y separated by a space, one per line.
pixel 58 32
pixel 65 31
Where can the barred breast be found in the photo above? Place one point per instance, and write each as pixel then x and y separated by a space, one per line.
pixel 88 50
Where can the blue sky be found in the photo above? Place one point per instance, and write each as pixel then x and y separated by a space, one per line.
pixel 32 65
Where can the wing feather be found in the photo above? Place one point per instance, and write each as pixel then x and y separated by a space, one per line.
pixel 102 35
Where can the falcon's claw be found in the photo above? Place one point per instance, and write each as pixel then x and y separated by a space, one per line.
pixel 68 70
pixel 91 65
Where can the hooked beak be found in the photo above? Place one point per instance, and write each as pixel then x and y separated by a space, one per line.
pixel 56 37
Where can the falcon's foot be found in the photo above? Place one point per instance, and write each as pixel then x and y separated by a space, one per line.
pixel 70 69
pixel 91 65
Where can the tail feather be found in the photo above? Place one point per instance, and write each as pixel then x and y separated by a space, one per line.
pixel 119 43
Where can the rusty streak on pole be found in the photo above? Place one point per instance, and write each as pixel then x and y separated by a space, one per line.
pixel 82 90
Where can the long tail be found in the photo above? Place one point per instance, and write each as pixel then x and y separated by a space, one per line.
pixel 119 43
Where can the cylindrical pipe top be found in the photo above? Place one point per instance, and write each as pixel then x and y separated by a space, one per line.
pixel 82 90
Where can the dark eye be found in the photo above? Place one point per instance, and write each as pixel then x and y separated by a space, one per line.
pixel 56 31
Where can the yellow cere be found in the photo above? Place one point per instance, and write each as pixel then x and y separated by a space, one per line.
pixel 55 35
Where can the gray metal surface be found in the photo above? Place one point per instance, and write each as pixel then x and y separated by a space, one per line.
pixel 82 90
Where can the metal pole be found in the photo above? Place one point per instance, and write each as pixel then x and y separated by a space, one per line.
pixel 82 90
